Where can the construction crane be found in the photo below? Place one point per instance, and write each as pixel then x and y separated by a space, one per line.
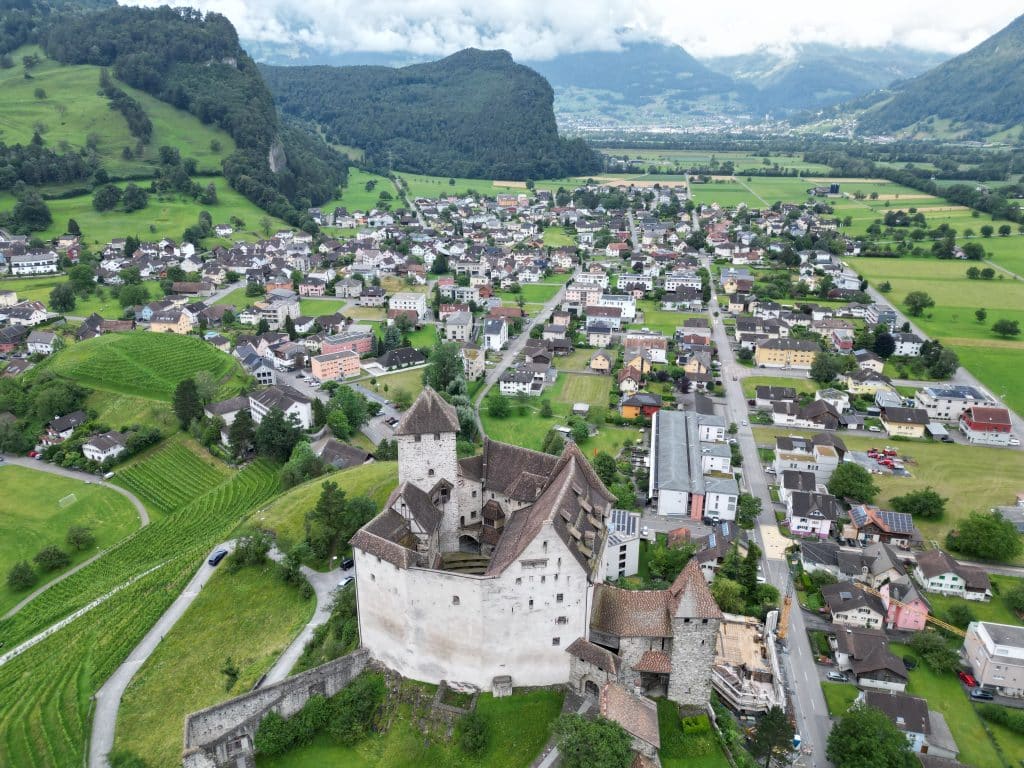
pixel 783 626
pixel 930 619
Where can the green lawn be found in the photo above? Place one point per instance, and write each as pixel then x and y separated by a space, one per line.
pixel 146 364
pixel 355 197
pixel 315 307
pixel 38 289
pixel 424 337
pixel 839 697
pixel 682 750
pixel 660 320
pixel 997 610
pixel 119 411
pixel 409 381
pixel 951 469
pixel 728 194
pixel 751 383
pixel 286 515
pixel 945 694
pixel 31 518
pixel 532 293
pixel 577 360
pixel 250 617
pixel 74 108
pixel 519 726
pixel 556 237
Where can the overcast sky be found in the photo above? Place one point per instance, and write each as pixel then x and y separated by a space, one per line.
pixel 540 29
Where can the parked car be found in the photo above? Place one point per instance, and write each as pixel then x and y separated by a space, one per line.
pixel 838 677
pixel 980 694
pixel 967 679
pixel 345 581
pixel 347 563
pixel 217 556
pixel 1014 440
pixel 873 428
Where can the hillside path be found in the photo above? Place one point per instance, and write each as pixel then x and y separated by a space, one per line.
pixel 42 466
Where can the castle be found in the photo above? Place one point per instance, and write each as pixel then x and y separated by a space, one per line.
pixel 488 571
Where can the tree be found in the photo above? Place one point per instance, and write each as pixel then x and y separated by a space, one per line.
pixel 598 743
pixel 241 434
pixel 498 406
pixel 1006 328
pixel 106 198
pixel 554 443
pixel 665 563
pixel 545 409
pixel 273 735
pixel 82 279
pixel 774 737
pixel 935 651
pixel 850 480
pixel 749 511
pixel 924 503
pixel 885 345
pixel 52 558
pixel 824 368
pixel 276 436
pixel 301 466
pixel 471 733
pixel 206 386
pixel 974 251
pixel 133 198
pixel 338 423
pixel 62 298
pixel 80 537
pixel 444 365
pixel 21 576
pixel 402 399
pixel 579 430
pixel 262 326
pixel 392 338
pixel 986 535
pixel 289 328
pixel 73 228
pixel 980 314
pixel 728 594
pixel 132 295
pixel 1015 597
pixel 186 403
pixel 917 302
pixel 865 737
pixel 986 230
pixel 604 466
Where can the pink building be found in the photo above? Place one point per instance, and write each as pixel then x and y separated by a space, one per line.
pixel 354 339
pixel 905 607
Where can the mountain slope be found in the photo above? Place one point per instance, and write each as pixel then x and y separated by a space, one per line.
pixel 474 114
pixel 978 93
pixel 820 75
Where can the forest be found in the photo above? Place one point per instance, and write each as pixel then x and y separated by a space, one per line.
pixel 474 114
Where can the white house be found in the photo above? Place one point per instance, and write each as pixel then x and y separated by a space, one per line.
pixel 286 399
pixel 812 514
pixel 937 572
pixel 622 549
pixel 35 263
pixel 100 448
pixel 406 301
pixel 907 344
pixel 42 343
pixel 495 333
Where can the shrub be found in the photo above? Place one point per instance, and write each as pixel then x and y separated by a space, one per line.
pixel 960 615
pixel 52 558
pixel 935 651
pixel 1008 718
pixel 21 576
pixel 472 734
pixel 355 707
pixel 274 736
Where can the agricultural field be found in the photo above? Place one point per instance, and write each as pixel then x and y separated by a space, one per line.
pixel 249 617
pixel 951 469
pixel 45 706
pixel 728 194
pixel 36 510
pixel 146 364
pixel 519 726
pixel 989 357
pixel 120 411
pixel 167 215
pixel 355 197
pixel 73 109
pixel 38 289
pixel 1005 252
pixel 688 158
pixel 285 516
pixel 171 476
pixel 556 237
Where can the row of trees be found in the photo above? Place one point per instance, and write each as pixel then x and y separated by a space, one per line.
pixel 23 576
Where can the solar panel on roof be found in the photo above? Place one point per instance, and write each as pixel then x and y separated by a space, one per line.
pixel 711 541
pixel 725 529
pixel 846 595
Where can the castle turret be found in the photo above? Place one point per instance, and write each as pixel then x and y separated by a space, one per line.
pixel 426 443
pixel 695 620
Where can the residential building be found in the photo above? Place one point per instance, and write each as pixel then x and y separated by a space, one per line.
pixel 62 427
pixel 947 402
pixel 907 344
pixel 36 262
pixel 812 514
pixel 786 353
pixel 937 572
pixel 904 422
pixel 355 338
pixel 495 333
pixel 42 343
pixel 807 455
pixel 996 655
pixel 103 447
pixel 641 405
pixel 926 730
pixel 622 549
pixel 172 321
pixel 865 653
pixel 472 361
pixel 334 365
pixel 986 425
pixel 853 607
pixel 458 326
pixel 409 301
pixel 868 523
pixel 289 401
pixel 601 361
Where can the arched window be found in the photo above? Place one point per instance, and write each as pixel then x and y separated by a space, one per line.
pixel 455 599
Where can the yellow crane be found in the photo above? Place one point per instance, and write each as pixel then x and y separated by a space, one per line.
pixel 930 619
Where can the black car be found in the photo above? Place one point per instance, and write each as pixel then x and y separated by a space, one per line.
pixel 217 556
pixel 347 563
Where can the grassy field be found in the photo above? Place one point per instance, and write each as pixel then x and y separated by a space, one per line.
pixel 556 237
pixel 945 694
pixel 997 610
pixel 146 364
pixel 118 411
pixel 660 320
pixel 682 750
pixel 411 381
pixel 38 289
pixel 45 693
pixel 172 475
pixel 839 697
pixel 532 293
pixel 519 726
pixel 286 514
pixel 355 197
pixel 751 383
pixel 728 194
pixel 74 108
pixel 688 158
pixel 167 215
pixel 31 518
pixel 951 469
pixel 315 307
pixel 990 358
pixel 250 617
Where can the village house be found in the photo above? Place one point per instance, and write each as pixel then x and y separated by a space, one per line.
pixel 986 425
pixel 904 422
pixel 868 523
pixel 995 653
pixel 786 353
pixel 42 343
pixel 104 447
pixel 947 402
pixel 926 730
pixel 334 365
pixel 812 514
pixel 292 403
pixel 865 653
pixel 495 334
pixel 852 607
pixel 62 427
pixel 937 572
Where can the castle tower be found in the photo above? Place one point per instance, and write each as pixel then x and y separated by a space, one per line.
pixel 695 620
pixel 426 446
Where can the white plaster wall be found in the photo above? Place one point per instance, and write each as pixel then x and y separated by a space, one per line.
pixel 672 502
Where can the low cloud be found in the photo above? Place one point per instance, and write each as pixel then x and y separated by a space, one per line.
pixel 535 30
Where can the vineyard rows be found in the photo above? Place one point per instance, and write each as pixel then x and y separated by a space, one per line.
pixel 45 693
pixel 170 478
pixel 141 363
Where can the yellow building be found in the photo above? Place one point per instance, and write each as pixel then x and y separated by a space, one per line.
pixel 904 422
pixel 175 321
pixel 639 361
pixel 786 353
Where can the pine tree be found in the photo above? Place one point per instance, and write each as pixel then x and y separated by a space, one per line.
pixel 241 434
pixel 289 328
pixel 186 403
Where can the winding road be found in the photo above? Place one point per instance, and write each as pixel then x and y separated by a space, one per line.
pixel 42 466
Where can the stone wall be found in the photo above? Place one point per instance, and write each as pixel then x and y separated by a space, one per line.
pixel 222 735
pixel 693 654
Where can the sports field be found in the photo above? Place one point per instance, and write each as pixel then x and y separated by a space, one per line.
pixel 32 516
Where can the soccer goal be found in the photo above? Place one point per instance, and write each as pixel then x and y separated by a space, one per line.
pixel 67 501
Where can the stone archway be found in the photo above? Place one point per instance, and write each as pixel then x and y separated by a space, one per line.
pixel 469 545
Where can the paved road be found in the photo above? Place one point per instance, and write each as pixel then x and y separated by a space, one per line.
pixel 42 466
pixel 811 713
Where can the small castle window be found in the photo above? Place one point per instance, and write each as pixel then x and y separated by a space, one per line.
pixel 455 599
pixel 686 621
pixel 474 494
pixel 418 438
pixel 531 602
pixel 519 580
pixel 543 579
pixel 556 641
pixel 430 473
pixel 559 597
pixel 437 436
pixel 562 620
pixel 545 546
pixel 703 621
